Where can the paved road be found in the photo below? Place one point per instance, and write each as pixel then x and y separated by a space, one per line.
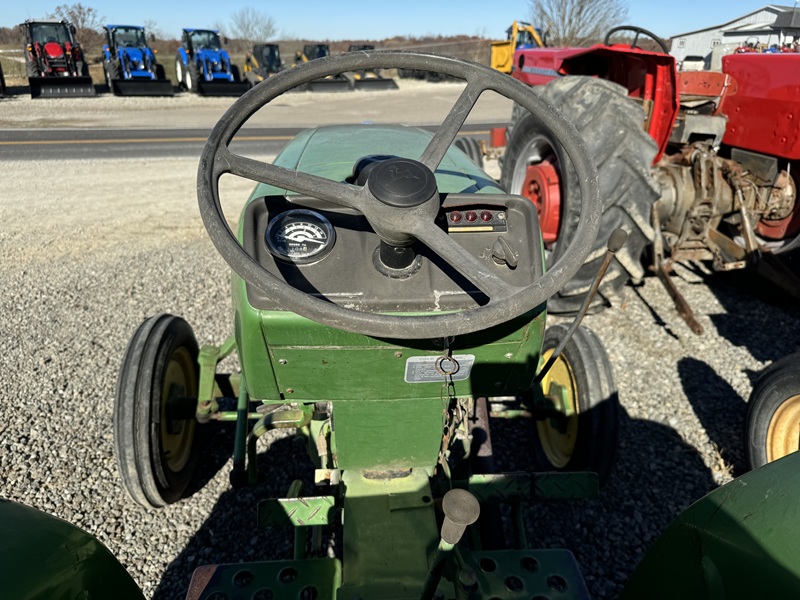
pixel 90 144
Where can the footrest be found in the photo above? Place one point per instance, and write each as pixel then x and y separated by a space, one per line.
pixel 512 574
pixel 297 512
pixel 313 578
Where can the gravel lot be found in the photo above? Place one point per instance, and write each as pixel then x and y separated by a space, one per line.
pixel 89 251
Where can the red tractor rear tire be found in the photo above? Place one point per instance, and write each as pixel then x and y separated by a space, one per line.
pixel 611 125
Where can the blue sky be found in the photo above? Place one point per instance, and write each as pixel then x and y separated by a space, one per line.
pixel 353 19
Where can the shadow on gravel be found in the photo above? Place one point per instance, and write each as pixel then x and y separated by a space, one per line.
pixel 758 315
pixel 720 409
pixel 656 476
pixel 229 534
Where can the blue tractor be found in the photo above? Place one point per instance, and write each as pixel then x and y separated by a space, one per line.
pixel 130 65
pixel 203 66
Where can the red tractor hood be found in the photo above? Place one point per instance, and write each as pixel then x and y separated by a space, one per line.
pixel 53 50
pixel 649 77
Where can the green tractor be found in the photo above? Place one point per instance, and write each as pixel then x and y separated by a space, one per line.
pixel 389 300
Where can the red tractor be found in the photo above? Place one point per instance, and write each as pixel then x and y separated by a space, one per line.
pixel 694 165
pixel 54 61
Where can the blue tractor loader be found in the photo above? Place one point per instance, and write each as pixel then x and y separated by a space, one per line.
pixel 130 65
pixel 203 66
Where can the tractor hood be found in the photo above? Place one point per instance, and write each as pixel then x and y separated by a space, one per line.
pixel 214 57
pixel 332 152
pixel 135 55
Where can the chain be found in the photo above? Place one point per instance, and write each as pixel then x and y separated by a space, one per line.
pixel 454 411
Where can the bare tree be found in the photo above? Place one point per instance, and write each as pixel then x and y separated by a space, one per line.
pixel 152 28
pixel 83 17
pixel 251 25
pixel 577 22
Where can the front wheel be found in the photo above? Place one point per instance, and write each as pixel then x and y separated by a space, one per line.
pixel 180 73
pixel 155 438
pixel 534 166
pixel 772 429
pixel 581 381
pixel 191 78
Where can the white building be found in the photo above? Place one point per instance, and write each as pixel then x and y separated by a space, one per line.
pixel 760 27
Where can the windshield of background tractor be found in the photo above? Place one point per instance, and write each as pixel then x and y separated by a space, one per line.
pixel 270 58
pixel 204 40
pixel 50 32
pixel 129 37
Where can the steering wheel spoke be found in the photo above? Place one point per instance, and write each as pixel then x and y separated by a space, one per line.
pixel 446 134
pixel 466 264
pixel 342 194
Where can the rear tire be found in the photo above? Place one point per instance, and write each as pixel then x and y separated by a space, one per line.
pixel 235 73
pixel 30 69
pixel 611 125
pixel 471 147
pixel 586 440
pixel 772 428
pixel 156 452
pixel 160 73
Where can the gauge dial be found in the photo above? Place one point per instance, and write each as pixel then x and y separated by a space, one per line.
pixel 300 236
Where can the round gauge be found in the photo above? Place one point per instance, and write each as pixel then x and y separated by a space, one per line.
pixel 300 236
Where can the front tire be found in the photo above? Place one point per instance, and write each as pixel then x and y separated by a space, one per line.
pixel 180 73
pixel 772 429
pixel 155 437
pixel 191 78
pixel 533 166
pixel 581 376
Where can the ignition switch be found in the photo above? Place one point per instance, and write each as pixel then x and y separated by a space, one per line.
pixel 502 253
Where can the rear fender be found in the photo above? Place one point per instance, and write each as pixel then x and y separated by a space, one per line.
pixel 43 557
pixel 739 541
pixel 649 77
pixel 183 55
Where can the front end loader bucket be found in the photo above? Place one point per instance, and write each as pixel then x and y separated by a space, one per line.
pixel 61 87
pixel 375 83
pixel 222 88
pixel 142 87
pixel 330 84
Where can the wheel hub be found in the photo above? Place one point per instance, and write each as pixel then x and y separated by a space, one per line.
pixel 783 435
pixel 542 186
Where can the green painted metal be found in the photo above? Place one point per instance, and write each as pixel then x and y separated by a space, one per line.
pixel 298 512
pixel 314 362
pixel 511 487
pixel 739 541
pixel 387 434
pixel 44 558
pixel 207 390
pixel 316 578
pixel 390 532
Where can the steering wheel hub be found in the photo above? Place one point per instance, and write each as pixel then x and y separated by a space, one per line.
pixel 402 183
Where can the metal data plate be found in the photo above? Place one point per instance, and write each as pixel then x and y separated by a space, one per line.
pixel 422 369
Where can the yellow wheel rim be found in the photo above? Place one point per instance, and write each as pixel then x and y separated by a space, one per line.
pixel 783 434
pixel 179 380
pixel 559 446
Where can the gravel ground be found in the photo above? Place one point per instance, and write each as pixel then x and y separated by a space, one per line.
pixel 89 253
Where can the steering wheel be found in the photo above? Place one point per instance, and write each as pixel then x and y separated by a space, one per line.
pixel 396 222
pixel 638 31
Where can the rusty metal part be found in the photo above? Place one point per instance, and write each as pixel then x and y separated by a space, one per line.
pixel 661 268
pixel 681 305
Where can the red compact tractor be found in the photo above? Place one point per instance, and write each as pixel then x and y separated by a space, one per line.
pixel 694 165
pixel 54 61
